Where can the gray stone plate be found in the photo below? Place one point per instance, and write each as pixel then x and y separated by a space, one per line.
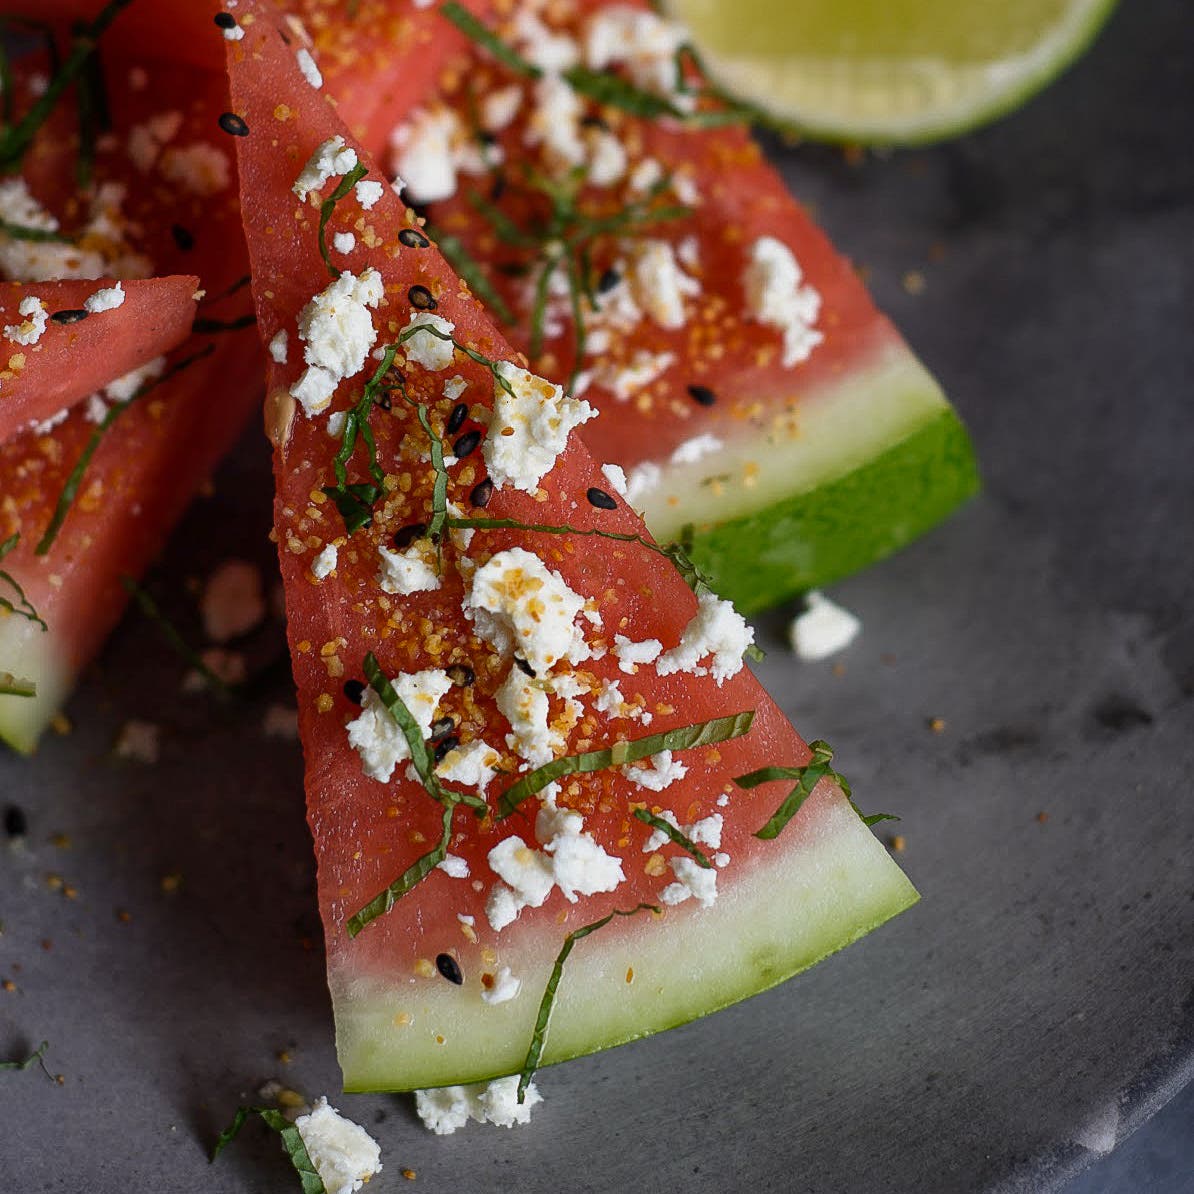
pixel 1033 1009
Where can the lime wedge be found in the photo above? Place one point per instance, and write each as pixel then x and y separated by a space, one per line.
pixel 888 71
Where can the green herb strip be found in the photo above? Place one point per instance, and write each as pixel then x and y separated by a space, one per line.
pixel 547 1003
pixel 439 494
pixel 478 32
pixel 420 756
pixel 22 606
pixel 71 488
pixel 37 1057
pixel 292 1142
pixel 16 138
pixel 666 827
pixel 705 733
pixel 472 354
pixel 17 686
pixel 329 205
pixel 23 232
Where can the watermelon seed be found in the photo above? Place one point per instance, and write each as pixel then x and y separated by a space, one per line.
pixel 15 822
pixel 225 20
pixel 608 280
pixel 450 743
pixel 408 534
pixel 524 667
pixel 601 499
pixel 413 239
pixel 461 675
pixel 498 189
pixel 702 395
pixel 182 238
pixel 466 444
pixel 593 121
pixel 481 494
pixel 354 690
pixel 421 298
pixel 441 729
pixel 456 418
pixel 74 315
pixel 449 968
pixel 233 125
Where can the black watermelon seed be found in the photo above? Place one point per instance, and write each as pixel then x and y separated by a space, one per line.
pixel 421 298
pixel 456 418
pixel 412 238
pixel 702 395
pixel 225 20
pixel 451 742
pixel 498 189
pixel 593 121
pixel 408 534
pixel 15 822
pixel 182 238
pixel 354 690
pixel 73 315
pixel 524 667
pixel 601 499
pixel 233 125
pixel 449 968
pixel 441 728
pixel 461 675
pixel 466 444
pixel 481 494
pixel 608 280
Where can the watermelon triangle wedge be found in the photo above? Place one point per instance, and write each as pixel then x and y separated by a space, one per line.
pixel 518 717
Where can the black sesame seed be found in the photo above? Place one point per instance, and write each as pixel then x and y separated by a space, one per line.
pixel 524 667
pixel 182 238
pixel 601 499
pixel 702 395
pixel 15 822
pixel 421 298
pixel 449 968
pixel 441 728
pixel 408 534
pixel 481 494
pixel 73 315
pixel 466 444
pixel 461 675
pixel 225 20
pixel 608 280
pixel 456 418
pixel 354 690
pixel 412 238
pixel 451 742
pixel 233 125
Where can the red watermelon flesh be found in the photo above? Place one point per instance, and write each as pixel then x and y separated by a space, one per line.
pixel 167 155
pixel 780 905
pixel 70 360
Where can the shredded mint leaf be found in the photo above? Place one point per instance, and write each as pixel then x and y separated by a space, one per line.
pixel 71 488
pixel 439 493
pixel 292 1142
pixel 471 353
pixel 22 232
pixel 807 778
pixel 34 1058
pixel 483 36
pixel 547 1003
pixel 18 686
pixel 22 606
pixel 612 90
pixel 459 258
pixel 420 756
pixel 329 205
pixel 666 827
pixel 631 750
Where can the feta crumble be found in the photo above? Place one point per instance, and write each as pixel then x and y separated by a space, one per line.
pixel 663 772
pixel 330 159
pixel 107 298
pixel 368 192
pixel 616 476
pixel 505 987
pixel 498 108
pixel 717 629
pixel 659 284
pixel 279 346
pixel 823 628
pixel 378 738
pixel 344 1155
pixel 697 448
pixel 233 33
pixel 127 384
pixel 530 427
pixel 624 379
pixel 774 296
pixel 432 352
pixel 641 41
pixel 692 879
pixel 409 571
pixel 325 562
pixel 424 154
pixel 642 480
pixel 310 71
pixel 472 765
pixel 447 1108
pixel 453 866
pixel 630 654
pixel 31 329
pixel 454 387
pixel 202 169
pixel 525 706
pixel 344 242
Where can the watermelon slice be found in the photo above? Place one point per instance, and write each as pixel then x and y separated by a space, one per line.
pixel 58 353
pixel 797 461
pixel 512 648
pixel 165 153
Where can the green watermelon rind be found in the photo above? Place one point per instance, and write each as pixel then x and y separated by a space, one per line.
pixel 27 650
pixel 825 889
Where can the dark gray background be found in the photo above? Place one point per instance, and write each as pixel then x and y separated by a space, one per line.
pixel 1035 1007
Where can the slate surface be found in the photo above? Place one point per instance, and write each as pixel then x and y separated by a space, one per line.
pixel 1034 1009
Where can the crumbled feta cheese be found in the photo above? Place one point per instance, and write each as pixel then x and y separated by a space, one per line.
pixel 330 159
pixel 502 907
pixel 310 70
pixel 145 141
pixel 505 987
pixel 641 41
pixel 378 738
pixel 689 252
pixel 278 346
pixel 610 699
pixel 723 800
pixel 95 409
pixel 616 476
pixel 554 123
pixel 721 859
pixel 325 562
pixel 520 606
pixel 424 154
pixel 498 108
pixel 530 427
pixel 31 329
pixel 553 53
pixel 822 629
pixel 717 629
pixel 645 175
pixel 107 298
pixel 657 839
pixel 692 880
pixel 454 387
pixel 624 379
pixel 127 384
pixel 429 350
pixel 581 866
pixel 336 421
pixel 233 601
pixel 525 706
pixel 707 831
pixel 344 1155
pixel 368 192
pixel 472 765
pixel 697 448
pixel 607 158
pixel 659 284
pixel 686 189
pixel 233 33
pixel 280 721
pixel 447 1108
pixel 200 168
pixel 45 426
pixel 775 296
pixel 344 242
pixel 630 654
pixel 139 741
pixel 408 571
pixel 527 871
pixel 663 772
pixel 453 866
pixel 642 480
